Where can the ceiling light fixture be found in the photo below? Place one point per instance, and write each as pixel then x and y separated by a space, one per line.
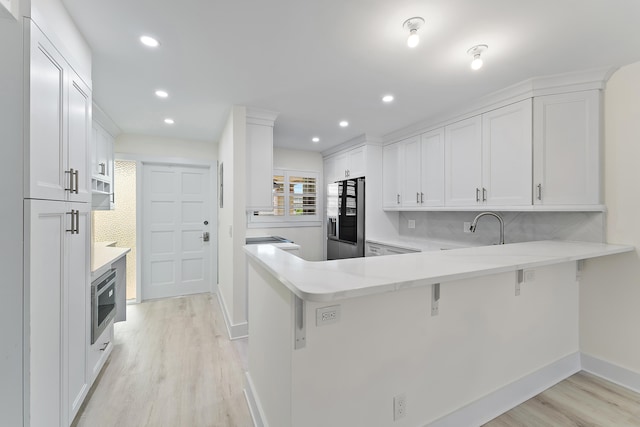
pixel 315 139
pixel 162 93
pixel 149 41
pixel 169 121
pixel 387 98
pixel 476 51
pixel 412 25
pixel 344 124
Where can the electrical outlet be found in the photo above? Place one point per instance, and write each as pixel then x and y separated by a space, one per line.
pixel 399 406
pixel 327 315
pixel 412 223
pixel 466 227
pixel 529 275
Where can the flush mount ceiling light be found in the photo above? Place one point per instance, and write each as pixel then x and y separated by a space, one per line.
pixel 413 25
pixel 344 124
pixel 315 139
pixel 476 51
pixel 149 41
pixel 162 93
pixel 387 98
pixel 169 121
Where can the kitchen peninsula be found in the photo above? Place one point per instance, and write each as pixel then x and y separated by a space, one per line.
pixel 458 336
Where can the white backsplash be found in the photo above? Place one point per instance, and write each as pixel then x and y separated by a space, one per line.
pixel 519 226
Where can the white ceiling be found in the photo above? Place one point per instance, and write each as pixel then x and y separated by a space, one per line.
pixel 317 62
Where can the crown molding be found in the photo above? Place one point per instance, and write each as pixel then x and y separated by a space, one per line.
pixel 100 117
pixel 258 116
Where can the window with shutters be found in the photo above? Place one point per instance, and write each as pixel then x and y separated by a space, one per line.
pixel 295 200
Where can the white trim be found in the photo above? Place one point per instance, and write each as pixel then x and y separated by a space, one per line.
pixel 358 141
pixel 255 408
pixel 105 122
pixel 522 208
pixel 611 372
pixel 511 395
pixel 237 331
pixel 282 224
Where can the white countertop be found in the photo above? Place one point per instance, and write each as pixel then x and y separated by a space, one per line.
pixel 103 256
pixel 347 278
pixel 418 244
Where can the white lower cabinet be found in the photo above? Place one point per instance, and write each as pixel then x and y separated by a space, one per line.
pixel 99 352
pixel 379 249
pixel 57 236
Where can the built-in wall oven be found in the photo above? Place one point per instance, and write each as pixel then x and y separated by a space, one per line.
pixel 103 303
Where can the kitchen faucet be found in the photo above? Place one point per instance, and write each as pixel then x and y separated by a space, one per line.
pixel 475 223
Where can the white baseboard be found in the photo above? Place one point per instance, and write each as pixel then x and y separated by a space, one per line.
pixel 511 395
pixel 610 372
pixel 255 409
pixel 237 331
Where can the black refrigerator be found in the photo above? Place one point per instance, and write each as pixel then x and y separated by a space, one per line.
pixel 345 219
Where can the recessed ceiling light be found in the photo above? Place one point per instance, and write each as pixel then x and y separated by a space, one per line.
pixel 344 124
pixel 149 41
pixel 315 139
pixel 162 93
pixel 169 121
pixel 387 98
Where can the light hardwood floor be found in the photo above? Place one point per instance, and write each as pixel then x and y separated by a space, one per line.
pixel 172 365
pixel 580 400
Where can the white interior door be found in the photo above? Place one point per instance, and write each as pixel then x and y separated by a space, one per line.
pixel 176 215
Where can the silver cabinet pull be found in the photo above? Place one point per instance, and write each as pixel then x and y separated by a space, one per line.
pixel 76 181
pixel 539 191
pixel 113 197
pixel 417 197
pixel 104 346
pixel 484 194
pixel 421 197
pixel 70 172
pixel 398 198
pixel 77 222
pixel 477 195
pixel 73 221
pixel 103 169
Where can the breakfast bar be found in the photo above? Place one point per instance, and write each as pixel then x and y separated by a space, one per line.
pixel 433 338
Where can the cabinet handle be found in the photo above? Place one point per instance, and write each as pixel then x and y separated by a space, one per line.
pixel 76 181
pixel 73 221
pixel 417 197
pixel 104 346
pixel 398 198
pixel 103 169
pixel 484 194
pixel 70 172
pixel 421 197
pixel 77 231
pixel 113 197
pixel 477 195
pixel 539 191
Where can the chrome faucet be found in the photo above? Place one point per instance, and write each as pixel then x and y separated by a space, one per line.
pixel 475 223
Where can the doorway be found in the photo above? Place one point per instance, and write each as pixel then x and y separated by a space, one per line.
pixel 176 230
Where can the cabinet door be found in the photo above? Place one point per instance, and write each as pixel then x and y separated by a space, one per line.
pixel 506 159
pixel 78 303
pixel 259 155
pixel 391 176
pixel 340 167
pixel 432 168
pixel 566 142
pixel 79 133
pixel 463 162
pixel 46 223
pixel 356 162
pixel 329 170
pixel 47 159
pixel 411 171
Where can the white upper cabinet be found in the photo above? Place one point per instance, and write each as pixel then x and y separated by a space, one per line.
pixel 463 162
pixel 422 170
pixel 410 172
pixel 102 168
pixel 566 137
pixel 506 155
pixel 60 116
pixel 391 176
pixel 346 165
pixel 259 156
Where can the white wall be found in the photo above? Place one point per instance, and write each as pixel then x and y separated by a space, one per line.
pixel 610 288
pixel 11 226
pixel 310 239
pixel 166 147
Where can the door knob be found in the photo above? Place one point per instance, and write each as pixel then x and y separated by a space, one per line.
pixel 205 236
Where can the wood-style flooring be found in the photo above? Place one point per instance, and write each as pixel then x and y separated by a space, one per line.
pixel 173 365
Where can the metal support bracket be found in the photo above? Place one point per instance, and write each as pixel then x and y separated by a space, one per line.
pixel 519 280
pixel 579 268
pixel 300 333
pixel 435 299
